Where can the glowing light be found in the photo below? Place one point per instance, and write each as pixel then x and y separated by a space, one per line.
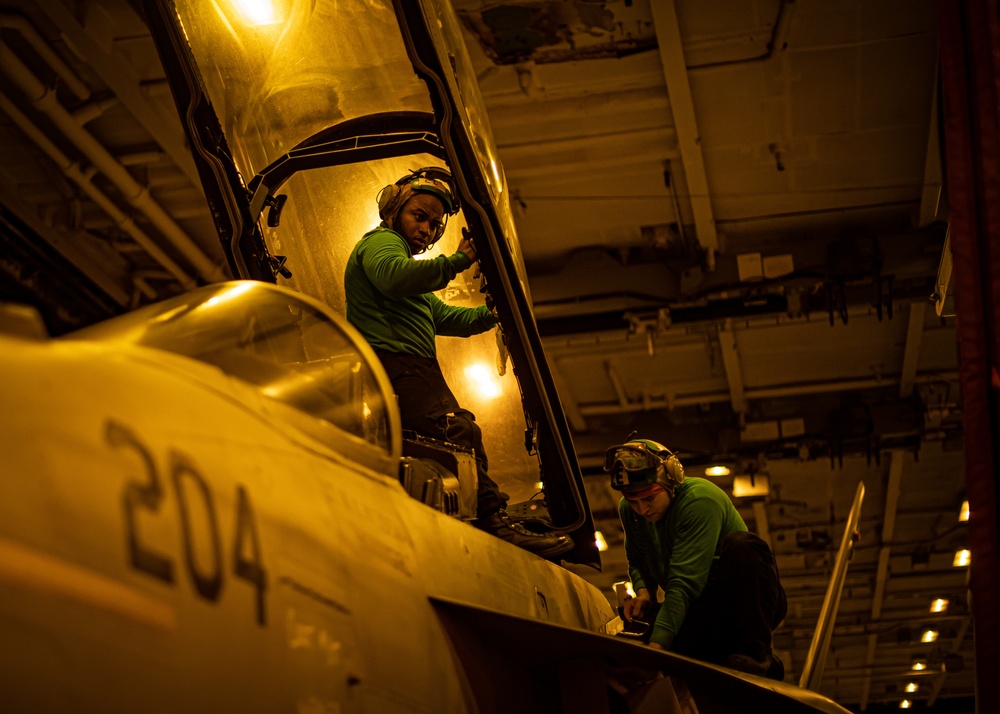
pixel 911 687
pixel 602 545
pixel 962 558
pixel 483 379
pixel 539 485
pixel 170 314
pixel 496 175
pixel 939 605
pixel 489 389
pixel 717 471
pixel 963 513
pixel 629 590
pixel 919 666
pixel 477 372
pixel 257 12
pixel 929 636
pixel 905 704
pixel 228 295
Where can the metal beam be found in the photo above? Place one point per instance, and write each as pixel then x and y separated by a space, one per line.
pixel 672 401
pixel 733 367
pixel 616 382
pixel 930 197
pixel 569 403
pixel 911 354
pixel 763 527
pixel 668 35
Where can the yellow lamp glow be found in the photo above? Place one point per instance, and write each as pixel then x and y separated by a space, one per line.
pixel 963 514
pixel 919 666
pixel 496 175
pixel 911 687
pixel 229 294
pixel 962 558
pixel 257 12
pixel 717 471
pixel 929 636
pixel 939 605
pixel 602 545
pixel 484 381
pixel 905 704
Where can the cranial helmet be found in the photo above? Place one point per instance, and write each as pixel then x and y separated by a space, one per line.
pixel 640 463
pixel 431 179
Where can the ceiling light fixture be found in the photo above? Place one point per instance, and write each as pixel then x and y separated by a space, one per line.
pixel 962 558
pixel 911 687
pixel 750 486
pixel 918 665
pixel 717 471
pixel 929 636
pixel 905 704
pixel 963 513
pixel 939 605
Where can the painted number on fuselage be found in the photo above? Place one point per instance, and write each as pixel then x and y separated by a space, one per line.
pixel 146 492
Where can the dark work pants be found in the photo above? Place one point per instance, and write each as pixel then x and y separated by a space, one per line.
pixel 740 606
pixel 428 407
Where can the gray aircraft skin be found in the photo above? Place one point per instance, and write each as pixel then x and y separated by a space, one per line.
pixel 208 503
pixel 190 520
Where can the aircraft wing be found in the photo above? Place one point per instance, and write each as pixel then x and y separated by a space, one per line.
pixel 542 664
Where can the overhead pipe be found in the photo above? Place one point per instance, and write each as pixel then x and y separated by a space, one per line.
pixel 90 111
pixel 647 403
pixel 41 46
pixel 83 180
pixel 44 99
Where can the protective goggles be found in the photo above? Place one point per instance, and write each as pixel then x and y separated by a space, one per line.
pixel 631 458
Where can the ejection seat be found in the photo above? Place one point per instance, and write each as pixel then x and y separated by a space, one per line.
pixel 439 474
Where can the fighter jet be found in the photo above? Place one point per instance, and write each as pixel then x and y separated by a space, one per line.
pixel 208 504
pixel 205 507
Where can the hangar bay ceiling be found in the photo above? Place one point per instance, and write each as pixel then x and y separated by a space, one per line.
pixel 733 220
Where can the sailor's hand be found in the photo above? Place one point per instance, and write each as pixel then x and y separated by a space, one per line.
pixel 636 607
pixel 657 646
pixel 465 245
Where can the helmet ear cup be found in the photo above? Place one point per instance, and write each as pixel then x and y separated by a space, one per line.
pixel 674 469
pixel 387 199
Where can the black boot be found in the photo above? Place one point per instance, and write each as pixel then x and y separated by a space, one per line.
pixel 545 545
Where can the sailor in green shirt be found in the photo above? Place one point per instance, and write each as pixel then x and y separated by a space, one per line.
pixel 721 594
pixel 391 300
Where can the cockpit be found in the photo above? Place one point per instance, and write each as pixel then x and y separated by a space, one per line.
pixel 291 348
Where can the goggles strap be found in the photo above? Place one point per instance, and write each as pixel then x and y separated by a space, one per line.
pixel 646 491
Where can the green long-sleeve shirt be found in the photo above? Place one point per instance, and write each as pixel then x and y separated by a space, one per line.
pixel 677 552
pixel 390 296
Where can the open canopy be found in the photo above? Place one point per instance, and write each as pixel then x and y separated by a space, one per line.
pixel 300 113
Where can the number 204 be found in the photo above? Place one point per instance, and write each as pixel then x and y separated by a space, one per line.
pixel 188 483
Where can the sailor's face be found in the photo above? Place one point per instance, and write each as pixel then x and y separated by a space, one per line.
pixel 653 508
pixel 419 220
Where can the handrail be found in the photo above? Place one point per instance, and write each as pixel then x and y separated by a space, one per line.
pixel 812 672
